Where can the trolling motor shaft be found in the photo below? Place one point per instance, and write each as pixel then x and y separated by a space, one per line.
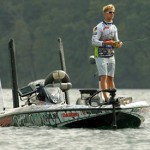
pixel 113 102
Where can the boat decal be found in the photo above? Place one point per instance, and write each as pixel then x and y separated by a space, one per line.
pixel 38 119
pixel 70 114
pixel 6 121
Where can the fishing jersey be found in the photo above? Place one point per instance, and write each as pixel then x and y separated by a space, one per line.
pixel 102 32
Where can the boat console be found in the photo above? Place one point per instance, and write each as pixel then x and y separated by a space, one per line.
pixel 86 95
pixel 26 91
pixel 48 94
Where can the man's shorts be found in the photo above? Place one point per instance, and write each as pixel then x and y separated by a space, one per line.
pixel 105 66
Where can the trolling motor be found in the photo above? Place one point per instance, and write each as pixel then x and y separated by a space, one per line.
pixel 111 101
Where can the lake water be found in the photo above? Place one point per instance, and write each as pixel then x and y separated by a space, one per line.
pixel 46 138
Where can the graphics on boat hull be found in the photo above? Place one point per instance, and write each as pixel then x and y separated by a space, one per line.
pixel 80 117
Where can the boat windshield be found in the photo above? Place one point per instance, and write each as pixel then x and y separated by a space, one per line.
pixel 54 95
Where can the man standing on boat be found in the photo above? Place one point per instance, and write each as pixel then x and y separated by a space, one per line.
pixel 105 40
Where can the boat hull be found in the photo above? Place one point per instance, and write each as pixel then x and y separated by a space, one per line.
pixel 74 116
pixel 124 120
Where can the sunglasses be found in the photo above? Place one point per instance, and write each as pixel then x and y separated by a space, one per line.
pixel 110 12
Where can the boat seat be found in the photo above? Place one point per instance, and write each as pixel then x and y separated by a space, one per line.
pixel 63 86
pixel 86 93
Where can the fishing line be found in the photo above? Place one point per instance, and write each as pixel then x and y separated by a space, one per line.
pixel 133 40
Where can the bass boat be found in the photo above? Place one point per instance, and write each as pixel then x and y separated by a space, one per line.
pixel 46 104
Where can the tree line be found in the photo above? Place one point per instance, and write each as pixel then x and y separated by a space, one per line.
pixel 36 25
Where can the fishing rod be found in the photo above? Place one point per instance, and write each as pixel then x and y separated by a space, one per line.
pixel 116 43
pixel 133 40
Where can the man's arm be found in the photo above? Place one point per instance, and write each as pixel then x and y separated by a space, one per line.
pixel 97 31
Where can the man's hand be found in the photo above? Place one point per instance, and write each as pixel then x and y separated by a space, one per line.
pixel 119 44
pixel 109 42
pixel 116 44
